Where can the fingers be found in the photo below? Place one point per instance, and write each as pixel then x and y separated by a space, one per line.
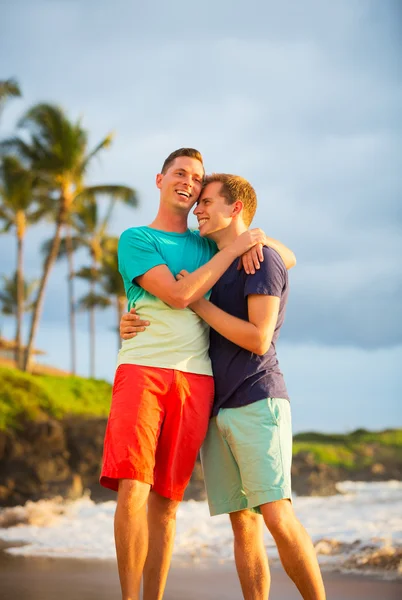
pixel 182 274
pixel 255 255
pixel 132 325
pixel 129 316
pixel 248 264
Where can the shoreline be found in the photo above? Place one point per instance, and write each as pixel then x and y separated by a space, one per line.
pixel 42 578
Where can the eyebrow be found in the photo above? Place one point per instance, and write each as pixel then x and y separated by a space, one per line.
pixel 187 171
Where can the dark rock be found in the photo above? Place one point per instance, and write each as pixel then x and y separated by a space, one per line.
pixel 51 458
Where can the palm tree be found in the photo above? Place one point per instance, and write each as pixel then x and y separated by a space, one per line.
pixel 18 209
pixel 110 284
pixel 90 302
pixel 111 281
pixel 9 300
pixel 8 88
pixel 58 150
pixel 87 229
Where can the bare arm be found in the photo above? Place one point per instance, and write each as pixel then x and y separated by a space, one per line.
pixel 254 335
pixel 251 260
pixel 160 282
pixel 285 253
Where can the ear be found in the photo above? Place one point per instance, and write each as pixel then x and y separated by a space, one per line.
pixel 237 208
pixel 158 180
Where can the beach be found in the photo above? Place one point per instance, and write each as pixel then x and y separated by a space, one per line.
pixel 38 578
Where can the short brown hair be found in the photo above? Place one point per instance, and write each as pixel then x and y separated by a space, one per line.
pixel 190 152
pixel 235 188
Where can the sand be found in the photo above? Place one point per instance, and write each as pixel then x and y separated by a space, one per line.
pixel 35 578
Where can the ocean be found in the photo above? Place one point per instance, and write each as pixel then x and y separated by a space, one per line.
pixel 364 520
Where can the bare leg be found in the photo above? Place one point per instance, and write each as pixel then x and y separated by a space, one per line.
pixel 162 529
pixel 250 555
pixel 295 549
pixel 131 535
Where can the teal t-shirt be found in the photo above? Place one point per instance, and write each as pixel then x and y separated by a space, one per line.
pixel 177 338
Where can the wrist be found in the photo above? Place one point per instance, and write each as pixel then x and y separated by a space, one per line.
pixel 231 251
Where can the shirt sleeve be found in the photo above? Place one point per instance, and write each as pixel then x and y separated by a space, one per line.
pixel 270 279
pixel 137 254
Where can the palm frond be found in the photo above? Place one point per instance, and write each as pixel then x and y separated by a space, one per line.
pixel 94 300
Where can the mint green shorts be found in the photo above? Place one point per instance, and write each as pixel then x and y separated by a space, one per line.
pixel 247 456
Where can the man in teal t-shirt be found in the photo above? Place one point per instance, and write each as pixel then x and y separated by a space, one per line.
pixel 163 387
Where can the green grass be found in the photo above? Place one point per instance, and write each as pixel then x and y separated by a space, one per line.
pixel 354 450
pixel 25 397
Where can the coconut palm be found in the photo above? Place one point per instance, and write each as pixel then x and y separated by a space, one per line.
pixel 9 293
pixel 88 230
pixel 110 288
pixel 8 88
pixel 19 194
pixel 58 150
pixel 111 281
pixel 9 301
pixel 90 302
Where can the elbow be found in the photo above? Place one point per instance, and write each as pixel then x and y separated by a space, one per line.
pixel 261 347
pixel 178 302
pixel 293 261
pixel 259 350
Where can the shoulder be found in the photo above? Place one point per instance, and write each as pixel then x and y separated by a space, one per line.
pixel 134 233
pixel 135 237
pixel 273 260
pixel 271 278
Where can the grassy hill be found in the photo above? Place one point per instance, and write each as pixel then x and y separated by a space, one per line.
pixel 25 397
pixel 357 450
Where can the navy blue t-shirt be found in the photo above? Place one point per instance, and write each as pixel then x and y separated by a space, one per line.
pixel 242 377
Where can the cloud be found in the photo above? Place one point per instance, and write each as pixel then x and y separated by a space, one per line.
pixel 303 101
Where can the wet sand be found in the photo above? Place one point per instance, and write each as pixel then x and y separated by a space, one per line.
pixel 35 578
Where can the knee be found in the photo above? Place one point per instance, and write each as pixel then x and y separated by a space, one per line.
pixel 279 518
pixel 162 509
pixel 245 524
pixel 132 494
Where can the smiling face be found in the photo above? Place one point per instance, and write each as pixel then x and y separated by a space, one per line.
pixel 213 213
pixel 181 184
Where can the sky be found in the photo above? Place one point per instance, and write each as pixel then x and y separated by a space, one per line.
pixel 302 99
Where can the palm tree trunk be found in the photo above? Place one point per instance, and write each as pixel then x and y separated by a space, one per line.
pixel 92 333
pixel 47 267
pixel 20 300
pixel 121 306
pixel 71 302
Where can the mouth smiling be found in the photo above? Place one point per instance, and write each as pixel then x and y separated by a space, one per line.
pixel 201 222
pixel 183 194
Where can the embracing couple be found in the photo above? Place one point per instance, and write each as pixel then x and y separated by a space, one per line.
pixel 198 367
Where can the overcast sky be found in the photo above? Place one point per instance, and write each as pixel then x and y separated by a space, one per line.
pixel 303 99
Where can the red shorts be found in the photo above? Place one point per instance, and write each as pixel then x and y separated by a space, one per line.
pixel 157 422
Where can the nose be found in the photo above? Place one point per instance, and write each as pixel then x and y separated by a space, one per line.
pixel 187 181
pixel 197 210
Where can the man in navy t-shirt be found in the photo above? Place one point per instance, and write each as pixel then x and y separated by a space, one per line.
pixel 247 453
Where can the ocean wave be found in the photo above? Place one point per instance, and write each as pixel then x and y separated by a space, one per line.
pixel 359 529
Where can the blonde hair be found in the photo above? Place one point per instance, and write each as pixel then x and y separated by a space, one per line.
pixel 235 188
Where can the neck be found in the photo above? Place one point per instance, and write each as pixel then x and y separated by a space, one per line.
pixel 226 236
pixel 167 220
